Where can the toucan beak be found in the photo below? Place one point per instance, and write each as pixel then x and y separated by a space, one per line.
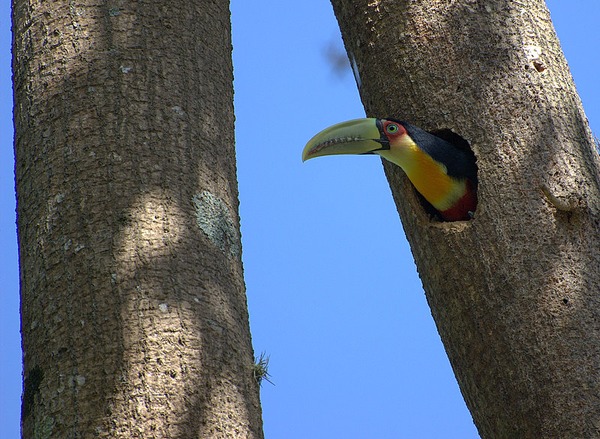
pixel 358 136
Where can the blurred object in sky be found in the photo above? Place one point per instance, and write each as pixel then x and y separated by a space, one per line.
pixel 336 57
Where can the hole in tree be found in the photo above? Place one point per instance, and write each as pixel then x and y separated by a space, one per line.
pixel 465 165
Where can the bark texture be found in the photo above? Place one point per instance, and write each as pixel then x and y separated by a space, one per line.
pixel 134 316
pixel 515 291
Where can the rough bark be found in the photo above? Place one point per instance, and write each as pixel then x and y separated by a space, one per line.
pixel 515 291
pixel 134 316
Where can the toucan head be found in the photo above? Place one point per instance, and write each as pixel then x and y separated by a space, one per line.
pixel 444 173
pixel 358 136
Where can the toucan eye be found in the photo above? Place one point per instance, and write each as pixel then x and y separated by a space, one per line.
pixel 392 128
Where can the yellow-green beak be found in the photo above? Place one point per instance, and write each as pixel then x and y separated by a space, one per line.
pixel 358 136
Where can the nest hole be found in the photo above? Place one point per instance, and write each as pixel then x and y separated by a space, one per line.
pixel 462 144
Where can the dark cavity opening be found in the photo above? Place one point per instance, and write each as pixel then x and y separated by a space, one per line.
pixel 463 145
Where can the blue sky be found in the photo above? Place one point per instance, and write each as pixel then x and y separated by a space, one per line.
pixel 332 288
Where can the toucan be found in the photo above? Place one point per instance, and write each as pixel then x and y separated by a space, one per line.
pixel 444 173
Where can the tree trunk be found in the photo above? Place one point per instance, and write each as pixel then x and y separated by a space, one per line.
pixel 134 314
pixel 515 291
